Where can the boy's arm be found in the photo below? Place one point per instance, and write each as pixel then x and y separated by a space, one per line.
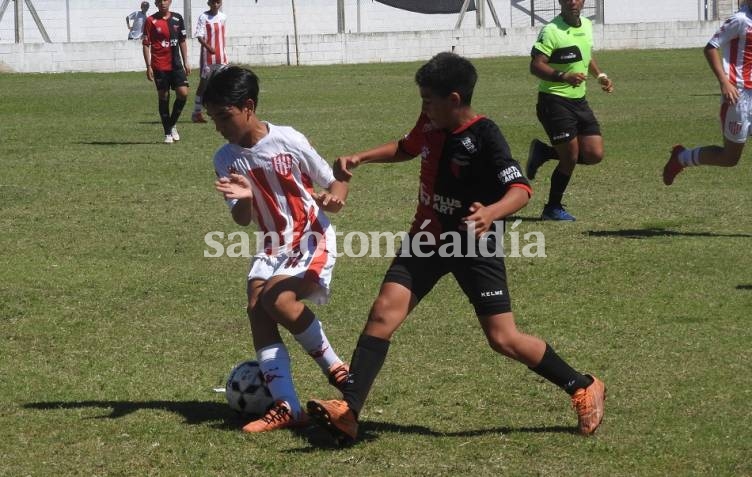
pixel 184 52
pixel 237 188
pixel 334 198
pixel 389 152
pixel 482 216
pixel 728 90
pixel 204 44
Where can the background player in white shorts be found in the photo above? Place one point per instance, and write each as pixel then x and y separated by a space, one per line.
pixel 734 73
pixel 210 33
pixel 267 173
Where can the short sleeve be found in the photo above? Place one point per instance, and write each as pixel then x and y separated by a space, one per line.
pixel 729 31
pixel 200 27
pixel 312 164
pixel 413 142
pixel 182 33
pixel 546 43
pixel 148 28
pixel 507 171
pixel 132 16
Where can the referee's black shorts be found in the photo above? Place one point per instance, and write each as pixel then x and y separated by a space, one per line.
pixel 483 279
pixel 564 118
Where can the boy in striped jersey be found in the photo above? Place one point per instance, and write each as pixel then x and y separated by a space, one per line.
pixel 729 55
pixel 266 174
pixel 210 33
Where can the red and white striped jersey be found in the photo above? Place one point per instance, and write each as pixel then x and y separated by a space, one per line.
pixel 212 29
pixel 734 38
pixel 282 168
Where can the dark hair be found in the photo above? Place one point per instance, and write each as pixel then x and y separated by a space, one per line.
pixel 447 73
pixel 231 86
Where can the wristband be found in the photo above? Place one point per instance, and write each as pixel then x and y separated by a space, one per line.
pixel 559 75
pixel 602 75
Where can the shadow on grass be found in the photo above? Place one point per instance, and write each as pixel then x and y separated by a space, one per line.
pixel 512 218
pixel 657 232
pixel 744 287
pixel 370 430
pixel 114 143
pixel 193 412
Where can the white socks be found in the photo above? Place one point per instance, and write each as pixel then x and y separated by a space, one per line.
pixel 274 362
pixel 314 341
pixel 690 157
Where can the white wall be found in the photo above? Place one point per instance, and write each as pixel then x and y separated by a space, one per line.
pixel 104 20
pixel 350 48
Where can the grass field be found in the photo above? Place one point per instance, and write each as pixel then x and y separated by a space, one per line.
pixel 114 328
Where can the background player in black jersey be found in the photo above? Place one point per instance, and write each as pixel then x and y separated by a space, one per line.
pixel 166 56
pixel 468 182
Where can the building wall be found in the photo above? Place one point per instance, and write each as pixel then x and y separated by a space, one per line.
pixel 335 48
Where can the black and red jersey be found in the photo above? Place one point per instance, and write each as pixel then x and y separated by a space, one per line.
pixel 164 35
pixel 470 164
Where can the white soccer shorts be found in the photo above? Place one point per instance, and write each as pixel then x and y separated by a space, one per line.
pixel 735 118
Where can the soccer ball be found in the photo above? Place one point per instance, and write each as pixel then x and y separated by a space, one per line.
pixel 246 391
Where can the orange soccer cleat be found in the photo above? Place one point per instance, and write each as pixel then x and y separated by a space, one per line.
pixel 336 417
pixel 279 416
pixel 338 375
pixel 588 402
pixel 673 167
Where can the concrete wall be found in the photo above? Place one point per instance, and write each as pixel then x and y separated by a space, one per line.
pixel 349 48
pixel 104 20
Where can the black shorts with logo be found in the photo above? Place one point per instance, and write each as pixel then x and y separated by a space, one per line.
pixel 170 79
pixel 483 279
pixel 564 118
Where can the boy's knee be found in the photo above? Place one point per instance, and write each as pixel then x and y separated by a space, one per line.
pixel 505 344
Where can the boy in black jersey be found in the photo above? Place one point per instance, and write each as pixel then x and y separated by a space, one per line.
pixel 468 180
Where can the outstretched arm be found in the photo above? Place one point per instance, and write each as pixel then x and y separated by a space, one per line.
pixel 389 152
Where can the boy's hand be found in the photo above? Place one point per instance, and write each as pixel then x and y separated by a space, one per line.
pixel 343 167
pixel 236 186
pixel 328 201
pixel 480 220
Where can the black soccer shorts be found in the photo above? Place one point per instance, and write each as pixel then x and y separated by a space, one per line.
pixel 564 118
pixel 164 80
pixel 483 279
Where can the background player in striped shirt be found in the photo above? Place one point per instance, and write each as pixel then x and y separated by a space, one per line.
pixel 266 174
pixel 166 57
pixel 210 33
pixel 734 74
pixel 469 183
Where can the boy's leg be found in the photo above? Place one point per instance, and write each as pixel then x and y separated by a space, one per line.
pixel 274 362
pixel 164 109
pixel 588 393
pixel 281 299
pixel 197 116
pixel 181 96
pixel 389 310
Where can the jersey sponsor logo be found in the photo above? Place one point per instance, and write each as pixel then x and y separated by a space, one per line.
pixel 169 43
pixel 570 54
pixel 509 174
pixel 282 164
pixel 445 205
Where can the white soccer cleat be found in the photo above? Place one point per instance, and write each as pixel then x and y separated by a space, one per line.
pixel 174 134
pixel 168 139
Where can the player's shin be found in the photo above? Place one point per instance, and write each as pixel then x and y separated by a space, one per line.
pixel 367 360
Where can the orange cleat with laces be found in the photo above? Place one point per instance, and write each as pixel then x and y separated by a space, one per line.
pixel 279 416
pixel 589 404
